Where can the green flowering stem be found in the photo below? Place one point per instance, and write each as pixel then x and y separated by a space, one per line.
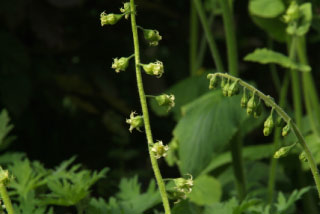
pixel 212 44
pixel 270 102
pixel 145 112
pixel 230 37
pixel 6 199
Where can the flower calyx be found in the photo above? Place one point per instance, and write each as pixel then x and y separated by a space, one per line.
pixel 151 36
pixel 154 68
pixel 109 19
pixel 4 177
pixel 166 100
pixel 121 64
pixel 136 122
pixel 283 151
pixel 159 150
pixel 126 10
pixel 183 187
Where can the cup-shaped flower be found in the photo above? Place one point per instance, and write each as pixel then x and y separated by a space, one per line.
pixel 120 64
pixel 152 36
pixel 165 100
pixel 183 187
pixel 136 122
pixel 109 19
pixel 126 9
pixel 159 150
pixel 154 68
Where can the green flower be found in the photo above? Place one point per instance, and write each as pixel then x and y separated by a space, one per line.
pixel 136 122
pixel 152 36
pixel 109 19
pixel 154 68
pixel 166 100
pixel 120 64
pixel 159 150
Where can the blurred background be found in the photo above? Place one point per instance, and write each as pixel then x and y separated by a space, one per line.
pixel 63 97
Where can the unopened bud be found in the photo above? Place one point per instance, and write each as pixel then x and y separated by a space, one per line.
pixel 283 151
pixel 268 125
pixel 152 36
pixel 286 130
pixel 213 81
pixel 109 19
pixel 233 88
pixel 165 100
pixel 251 105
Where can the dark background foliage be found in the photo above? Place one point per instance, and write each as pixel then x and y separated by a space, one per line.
pixel 57 83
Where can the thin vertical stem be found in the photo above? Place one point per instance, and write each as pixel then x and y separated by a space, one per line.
pixel 145 112
pixel 193 40
pixel 230 37
pixel 212 44
pixel 6 199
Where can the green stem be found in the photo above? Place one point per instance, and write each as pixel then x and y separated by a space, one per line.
pixel 296 90
pixel 6 199
pixel 237 163
pixel 212 44
pixel 193 39
pixel 274 74
pixel 277 140
pixel 230 37
pixel 269 102
pixel 145 112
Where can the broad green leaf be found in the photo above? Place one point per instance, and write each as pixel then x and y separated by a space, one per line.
pixel 206 128
pixel 265 56
pixel 206 190
pixel 275 28
pixel 255 152
pixel 185 207
pixel 184 91
pixel 266 8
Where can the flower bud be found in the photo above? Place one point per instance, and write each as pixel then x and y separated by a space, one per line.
pixel 109 19
pixel 292 13
pixel 120 64
pixel 303 157
pixel 154 68
pixel 213 81
pixel 159 150
pixel 286 130
pixel 244 100
pixel 268 125
pixel 136 122
pixel 226 88
pixel 165 100
pixel 283 151
pixel 233 88
pixel 152 36
pixel 126 9
pixel 251 105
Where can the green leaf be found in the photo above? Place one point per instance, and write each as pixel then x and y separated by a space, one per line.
pixel 255 152
pixel 222 208
pixel 205 129
pixel 283 205
pixel 306 11
pixel 184 91
pixel 5 128
pixel 265 56
pixel 275 28
pixel 185 207
pixel 266 8
pixel 206 190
